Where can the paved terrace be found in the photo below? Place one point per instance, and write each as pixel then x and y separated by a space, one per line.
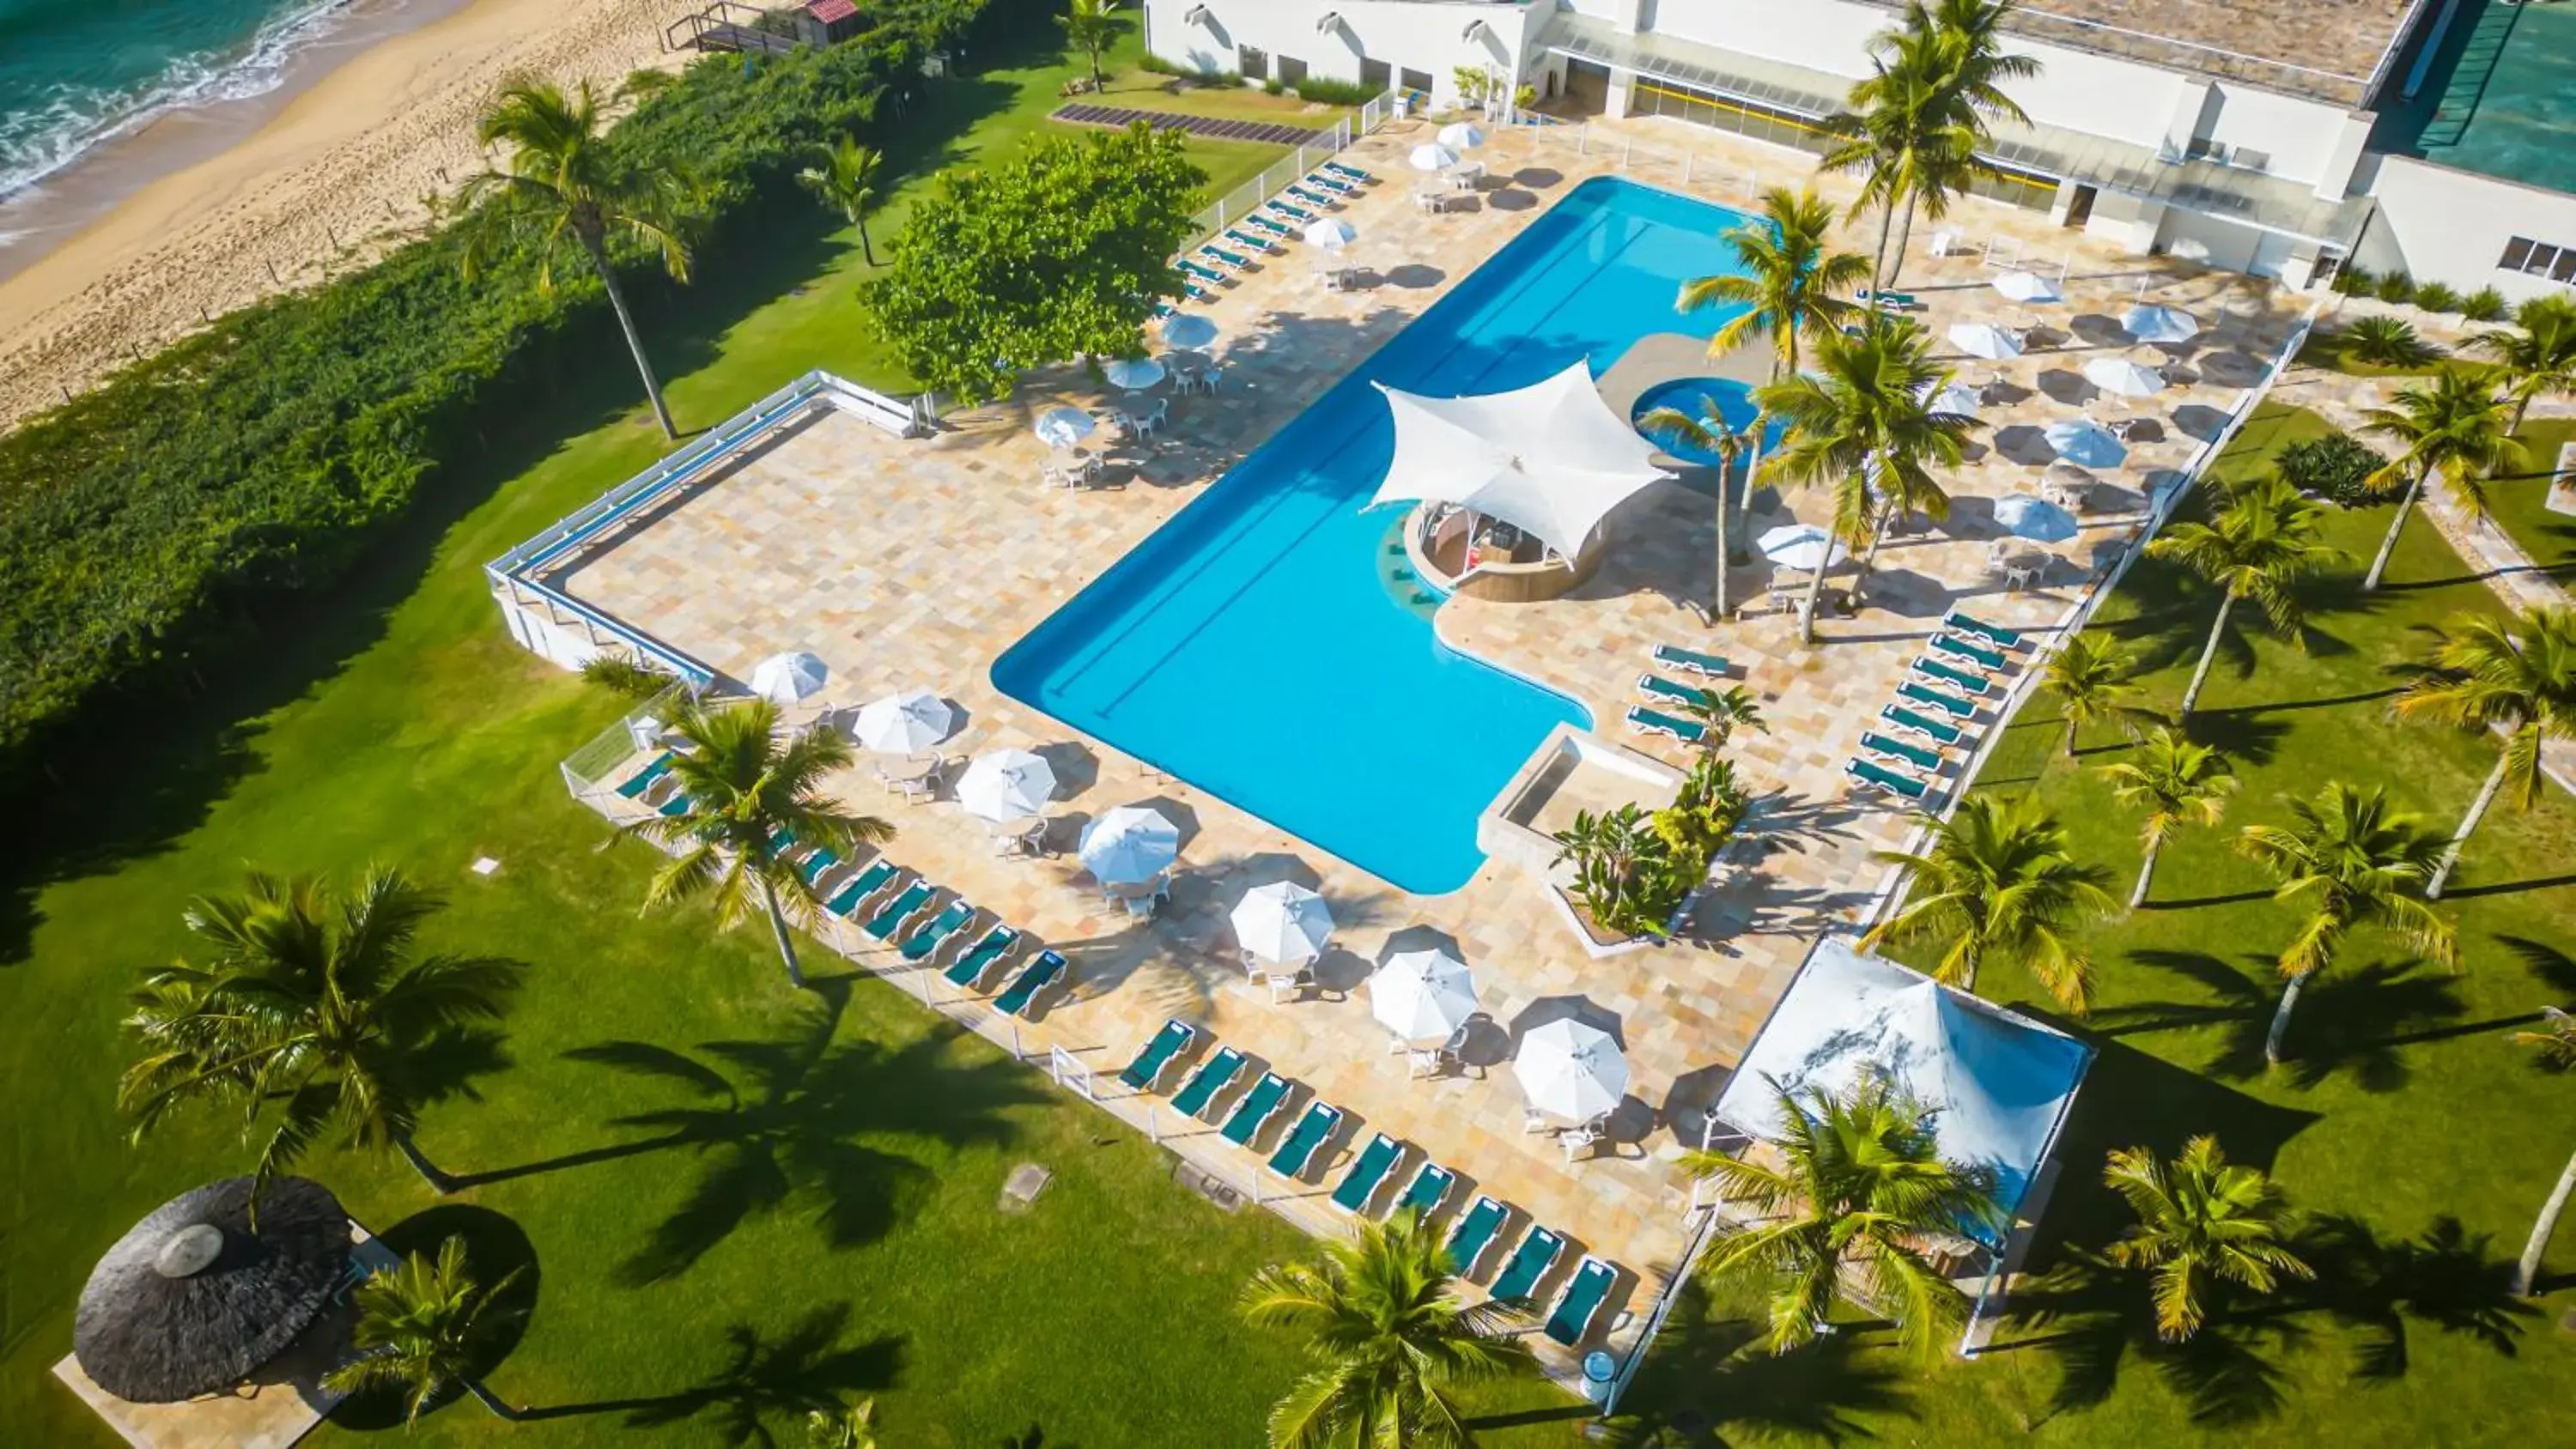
pixel 918 563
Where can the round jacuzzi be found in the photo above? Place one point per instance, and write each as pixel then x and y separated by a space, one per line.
pixel 1694 395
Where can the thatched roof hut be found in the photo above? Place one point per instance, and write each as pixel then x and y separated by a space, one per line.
pixel 192 1300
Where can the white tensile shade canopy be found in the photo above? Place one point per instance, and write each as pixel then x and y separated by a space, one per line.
pixel 1570 1069
pixel 1129 845
pixel 2000 1085
pixel 1986 340
pixel 787 678
pixel 905 723
pixel 1006 785
pixel 2120 375
pixel 1550 459
pixel 2150 323
pixel 1282 922
pixel 2028 288
pixel 1422 994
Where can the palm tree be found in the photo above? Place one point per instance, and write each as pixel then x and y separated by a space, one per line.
pixel 846 181
pixel 423 1328
pixel 849 1427
pixel 1893 129
pixel 1708 433
pixel 2454 429
pixel 2201 1222
pixel 1725 712
pixel 1091 27
pixel 2557 1043
pixel 314 1006
pixel 2538 353
pixel 2178 783
pixel 2091 679
pixel 2347 860
pixel 2516 675
pixel 1997 882
pixel 1956 47
pixel 755 803
pixel 1390 1338
pixel 1789 279
pixel 559 173
pixel 2262 540
pixel 1861 1188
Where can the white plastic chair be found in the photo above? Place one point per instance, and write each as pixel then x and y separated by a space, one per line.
pixel 1578 1142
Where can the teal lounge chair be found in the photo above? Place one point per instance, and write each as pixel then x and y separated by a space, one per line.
pixel 1530 1261
pixel 1655 722
pixel 1268 224
pixel 1035 977
pixel 1159 1053
pixel 1949 704
pixel 975 960
pixel 642 780
pixel 1252 239
pixel 1231 261
pixel 845 902
pixel 1333 184
pixel 1873 774
pixel 1655 686
pixel 884 924
pixel 1905 721
pixel 678 804
pixel 942 926
pixel 813 867
pixel 1958 648
pixel 1311 198
pixel 1197 293
pixel 1929 762
pixel 1475 1233
pixel 1290 210
pixel 1995 634
pixel 1902 301
pixel 1201 273
pixel 1690 659
pixel 1245 1122
pixel 1974 685
pixel 1428 1190
pixel 1213 1076
pixel 1581 1301
pixel 1297 1150
pixel 1349 173
pixel 1368 1174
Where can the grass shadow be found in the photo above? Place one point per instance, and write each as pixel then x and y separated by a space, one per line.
pixel 1710 1380
pixel 762 1380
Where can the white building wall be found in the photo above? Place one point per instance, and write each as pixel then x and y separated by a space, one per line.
pixel 1423 35
pixel 2438 224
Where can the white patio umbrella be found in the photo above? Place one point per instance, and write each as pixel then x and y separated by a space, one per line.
pixel 787 678
pixel 1062 427
pixel 2086 443
pixel 2028 288
pixel 1462 135
pixel 2036 519
pixel 905 723
pixel 1189 331
pixel 1802 546
pixel 1132 373
pixel 1422 994
pixel 1283 922
pixel 1330 232
pixel 1571 1070
pixel 1129 845
pixel 2190 249
pixel 1429 157
pixel 1986 340
pixel 1957 398
pixel 1006 785
pixel 2149 323
pixel 2120 375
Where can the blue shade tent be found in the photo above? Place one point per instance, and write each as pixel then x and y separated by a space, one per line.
pixel 2001 1084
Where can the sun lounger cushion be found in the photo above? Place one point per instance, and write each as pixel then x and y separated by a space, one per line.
pixel 1352 173
pixel 1289 209
pixel 678 804
pixel 813 867
pixel 1475 1233
pixel 867 883
pixel 642 780
pixel 1953 676
pixel 1978 655
pixel 1333 184
pixel 1917 756
pixel 1656 722
pixel 1581 1301
pixel 1658 687
pixel 1035 977
pixel 935 935
pixel 1995 634
pixel 1158 1053
pixel 1899 717
pixel 902 908
pixel 1530 1262
pixel 1690 659
pixel 1428 1190
pixel 1949 704
pixel 1245 1122
pixel 1213 1076
pixel 1236 260
pixel 1869 772
pixel 1298 1148
pixel 1252 239
pixel 1315 198
pixel 971 964
pixel 1367 1174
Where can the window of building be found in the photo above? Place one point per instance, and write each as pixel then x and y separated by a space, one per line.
pixel 1252 61
pixel 1292 71
pixel 1415 80
pixel 2539 259
pixel 1376 75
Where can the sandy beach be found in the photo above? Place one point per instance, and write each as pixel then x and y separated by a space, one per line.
pixel 343 169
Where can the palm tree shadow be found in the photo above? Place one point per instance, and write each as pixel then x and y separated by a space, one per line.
pixel 2103 1317
pixel 2445 1277
pixel 1710 1382
pixel 2546 960
pixel 2355 1022
pixel 446 1066
pixel 2233 997
pixel 805 1369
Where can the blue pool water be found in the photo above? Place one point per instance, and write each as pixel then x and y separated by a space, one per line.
pixel 1253 647
pixel 1692 395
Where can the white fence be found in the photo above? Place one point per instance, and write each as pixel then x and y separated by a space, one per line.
pixel 1243 200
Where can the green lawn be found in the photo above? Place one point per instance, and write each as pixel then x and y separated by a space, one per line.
pixel 829 1227
pixel 2520 504
pixel 2406 1122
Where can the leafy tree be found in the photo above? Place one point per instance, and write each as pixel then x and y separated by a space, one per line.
pixel 1390 1338
pixel 1709 433
pixel 845 179
pixel 2177 783
pixel 2538 353
pixel 2345 861
pixel 2263 539
pixel 1725 712
pixel 2488 674
pixel 2201 1222
pixel 2556 1040
pixel 849 1427
pixel 561 176
pixel 312 1006
pixel 755 804
pixel 1861 1186
pixel 424 1327
pixel 2455 428
pixel 1058 253
pixel 1092 26
pixel 1625 873
pixel 1997 881
pixel 623 673
pixel 2092 679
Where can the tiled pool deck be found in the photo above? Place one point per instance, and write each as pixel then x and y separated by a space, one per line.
pixel 917 563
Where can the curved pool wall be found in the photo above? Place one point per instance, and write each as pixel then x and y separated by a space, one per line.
pixel 1692 395
pixel 1252 647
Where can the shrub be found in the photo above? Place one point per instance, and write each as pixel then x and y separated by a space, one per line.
pixel 1274 86
pixel 2385 342
pixel 1334 92
pixel 2396 287
pixel 1154 64
pixel 2335 467
pixel 619 672
pixel 2437 297
pixel 2486 304
pixel 2352 281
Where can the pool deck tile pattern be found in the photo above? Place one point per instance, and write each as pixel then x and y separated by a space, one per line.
pixel 916 563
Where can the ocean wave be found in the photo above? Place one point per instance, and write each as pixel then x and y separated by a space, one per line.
pixel 67 125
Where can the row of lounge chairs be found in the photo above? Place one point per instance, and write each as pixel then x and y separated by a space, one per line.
pixel 1654 717
pixel 1471 1238
pixel 1942 691
pixel 1266 229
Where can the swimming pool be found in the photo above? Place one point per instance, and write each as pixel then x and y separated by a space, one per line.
pixel 1252 646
